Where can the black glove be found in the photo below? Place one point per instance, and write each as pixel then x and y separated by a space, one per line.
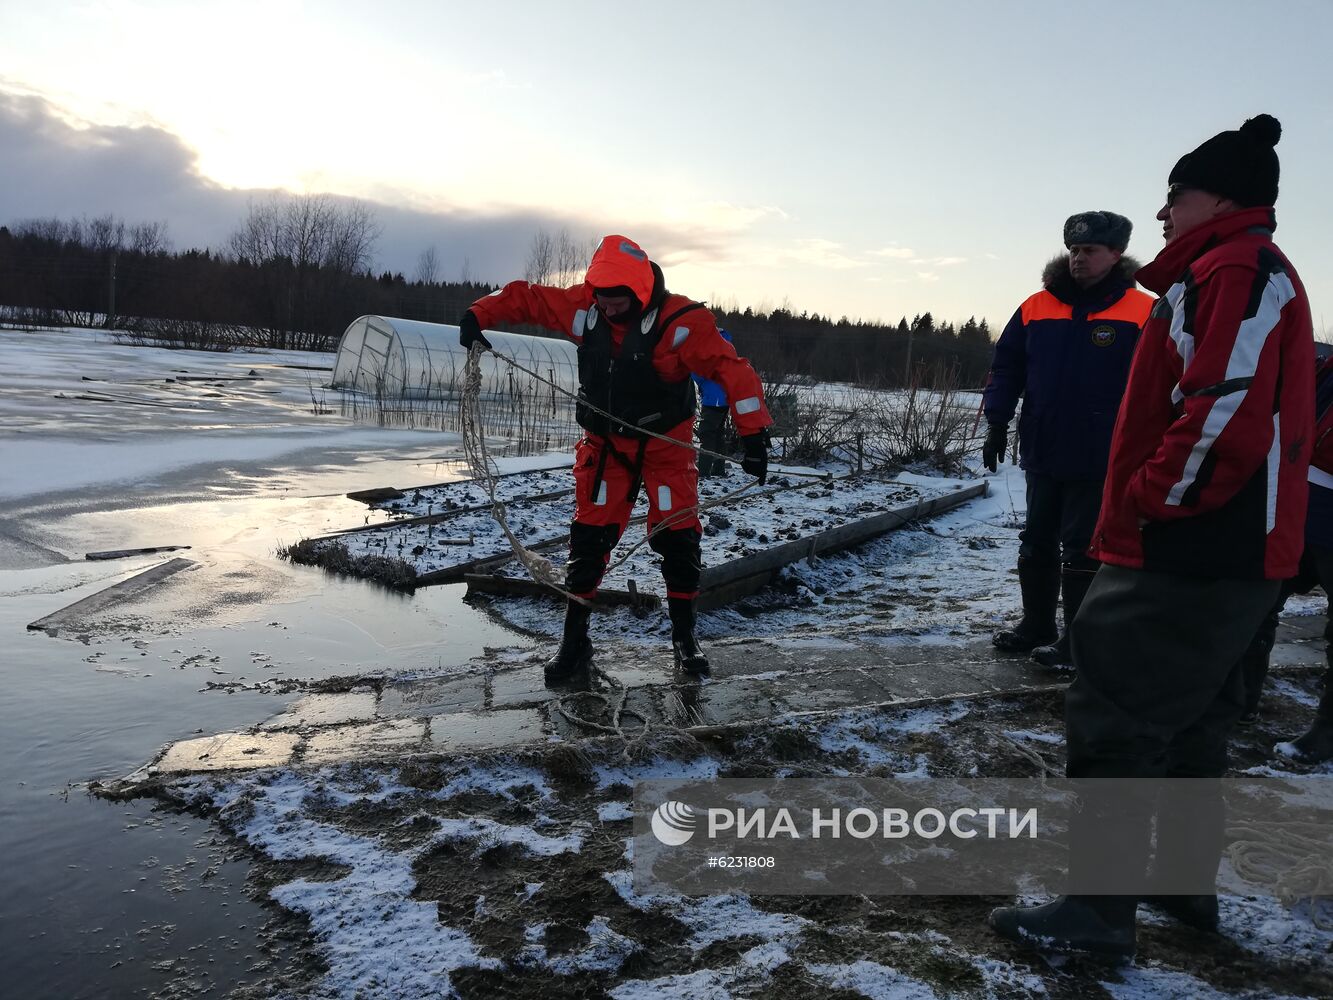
pixel 755 461
pixel 997 443
pixel 469 332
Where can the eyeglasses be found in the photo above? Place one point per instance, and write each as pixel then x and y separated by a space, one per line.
pixel 1174 192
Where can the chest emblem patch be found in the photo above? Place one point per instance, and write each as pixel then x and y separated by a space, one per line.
pixel 1103 336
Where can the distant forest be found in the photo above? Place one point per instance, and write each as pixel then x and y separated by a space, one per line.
pixel 298 270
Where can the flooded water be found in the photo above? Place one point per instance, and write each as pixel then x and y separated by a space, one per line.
pixel 131 898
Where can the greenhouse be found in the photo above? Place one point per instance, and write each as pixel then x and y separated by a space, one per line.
pixel 405 372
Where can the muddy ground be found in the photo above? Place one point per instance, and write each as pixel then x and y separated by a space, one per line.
pixel 565 922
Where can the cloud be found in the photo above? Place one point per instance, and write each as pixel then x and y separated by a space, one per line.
pixel 56 165
pixel 895 253
pixel 948 261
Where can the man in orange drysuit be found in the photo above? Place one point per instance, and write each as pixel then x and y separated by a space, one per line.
pixel 638 346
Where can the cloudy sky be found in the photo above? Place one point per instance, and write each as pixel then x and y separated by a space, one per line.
pixel 872 159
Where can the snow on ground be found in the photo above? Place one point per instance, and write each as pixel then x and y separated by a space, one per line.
pixel 461 875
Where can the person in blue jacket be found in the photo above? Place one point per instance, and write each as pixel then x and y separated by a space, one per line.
pixel 712 420
pixel 1066 352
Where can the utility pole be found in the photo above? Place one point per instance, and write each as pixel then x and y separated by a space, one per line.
pixel 907 365
pixel 111 295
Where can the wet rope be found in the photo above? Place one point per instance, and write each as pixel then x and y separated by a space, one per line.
pixel 478 456
pixel 474 448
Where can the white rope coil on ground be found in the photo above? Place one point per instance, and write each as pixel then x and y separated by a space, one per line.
pixel 1290 856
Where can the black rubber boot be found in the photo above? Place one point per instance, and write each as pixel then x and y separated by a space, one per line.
pixel 1071 923
pixel 1316 746
pixel 574 657
pixel 1254 666
pixel 689 657
pixel 1199 912
pixel 1191 836
pixel 1109 842
pixel 1040 583
pixel 1074 584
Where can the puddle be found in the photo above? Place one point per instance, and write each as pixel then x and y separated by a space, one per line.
pixel 103 698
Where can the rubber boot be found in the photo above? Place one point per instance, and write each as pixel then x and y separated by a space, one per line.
pixel 1199 912
pixel 1068 923
pixel 574 657
pixel 1316 746
pixel 1191 837
pixel 1109 840
pixel 1254 666
pixel 1074 584
pixel 1040 584
pixel 689 657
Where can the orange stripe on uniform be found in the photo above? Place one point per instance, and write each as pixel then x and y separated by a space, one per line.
pixel 1044 305
pixel 1134 308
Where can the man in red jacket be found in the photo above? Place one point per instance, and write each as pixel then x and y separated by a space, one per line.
pixel 638 346
pixel 1202 516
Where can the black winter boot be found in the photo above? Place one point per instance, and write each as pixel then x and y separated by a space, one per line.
pixel 1040 584
pixel 689 657
pixel 1109 838
pixel 1199 912
pixel 1254 666
pixel 1191 836
pixel 574 656
pixel 1071 923
pixel 1316 746
pixel 1074 584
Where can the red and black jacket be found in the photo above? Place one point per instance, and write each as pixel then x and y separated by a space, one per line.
pixel 1213 441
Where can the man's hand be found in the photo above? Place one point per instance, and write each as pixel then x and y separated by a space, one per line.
pixel 755 461
pixel 469 332
pixel 997 443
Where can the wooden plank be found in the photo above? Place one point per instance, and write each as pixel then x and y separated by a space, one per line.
pixel 118 399
pixel 519 586
pixel 720 585
pixel 125 553
pixel 485 564
pixel 378 494
pixel 452 574
pixel 443 515
pixel 112 595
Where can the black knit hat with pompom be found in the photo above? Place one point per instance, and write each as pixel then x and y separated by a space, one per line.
pixel 1240 165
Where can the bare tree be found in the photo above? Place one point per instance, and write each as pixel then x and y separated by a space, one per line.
pixel 428 266
pixel 541 259
pixel 559 260
pixel 305 249
pixel 465 276
pixel 149 238
pixel 571 258
pixel 104 234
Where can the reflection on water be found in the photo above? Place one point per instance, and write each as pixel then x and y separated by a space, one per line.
pixel 116 898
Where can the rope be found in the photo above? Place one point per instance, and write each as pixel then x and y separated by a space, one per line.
pixel 474 448
pixel 478 456
pixel 823 476
pixel 1289 856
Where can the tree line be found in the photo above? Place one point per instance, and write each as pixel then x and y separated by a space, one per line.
pixel 297 270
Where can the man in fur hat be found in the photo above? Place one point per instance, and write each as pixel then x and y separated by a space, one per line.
pixel 1067 352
